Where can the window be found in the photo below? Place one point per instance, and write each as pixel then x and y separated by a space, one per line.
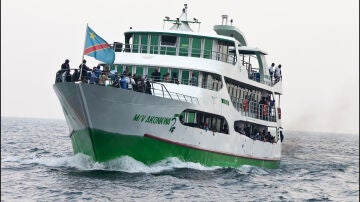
pixel 199 119
pixel 167 40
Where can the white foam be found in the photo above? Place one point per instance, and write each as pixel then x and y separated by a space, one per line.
pixel 10 159
pixel 124 164
pixel 247 169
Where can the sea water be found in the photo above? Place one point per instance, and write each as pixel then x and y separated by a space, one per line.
pixel 37 164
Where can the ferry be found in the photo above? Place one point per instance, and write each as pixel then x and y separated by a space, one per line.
pixel 211 99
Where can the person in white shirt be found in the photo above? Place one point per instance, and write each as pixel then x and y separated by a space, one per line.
pixel 130 81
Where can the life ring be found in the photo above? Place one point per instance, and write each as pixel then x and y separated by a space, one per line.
pixel 246 104
pixel 279 112
pixel 265 110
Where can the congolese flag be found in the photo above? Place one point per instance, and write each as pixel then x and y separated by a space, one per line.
pixel 97 47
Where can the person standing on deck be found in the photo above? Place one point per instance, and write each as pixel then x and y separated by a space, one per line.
pixel 271 71
pixel 193 80
pixel 84 71
pixel 156 75
pixel 65 66
pixel 277 73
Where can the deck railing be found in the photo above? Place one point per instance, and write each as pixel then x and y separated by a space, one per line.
pixel 254 109
pixel 157 89
pixel 160 90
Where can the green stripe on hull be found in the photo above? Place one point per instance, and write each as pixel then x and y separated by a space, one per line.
pixel 103 146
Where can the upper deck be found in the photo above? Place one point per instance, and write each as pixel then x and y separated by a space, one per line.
pixel 225 53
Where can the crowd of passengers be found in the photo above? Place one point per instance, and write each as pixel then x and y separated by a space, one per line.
pixel 255 134
pixel 262 110
pixel 126 80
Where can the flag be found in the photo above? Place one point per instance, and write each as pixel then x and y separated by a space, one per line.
pixel 97 47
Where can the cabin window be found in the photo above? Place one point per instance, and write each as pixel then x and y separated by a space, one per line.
pixel 184 46
pixel 144 43
pixel 185 77
pixel 203 120
pixel 163 71
pixel 136 41
pixel 167 40
pixel 208 48
pixel 139 71
pixel 196 47
pixel 154 45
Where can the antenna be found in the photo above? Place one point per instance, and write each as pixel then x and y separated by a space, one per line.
pixel 182 22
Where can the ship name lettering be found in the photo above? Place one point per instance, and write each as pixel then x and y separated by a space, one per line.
pixel 152 119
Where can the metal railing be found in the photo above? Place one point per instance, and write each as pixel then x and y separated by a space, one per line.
pixel 254 110
pixel 160 90
pixel 178 51
pixel 157 89
pixel 254 74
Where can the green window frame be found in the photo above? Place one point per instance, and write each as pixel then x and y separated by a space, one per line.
pixel 136 43
pixel 144 43
pixel 196 47
pixel 154 43
pixel 208 48
pixel 184 46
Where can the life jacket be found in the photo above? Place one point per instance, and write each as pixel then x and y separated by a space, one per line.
pixel 246 104
pixel 265 108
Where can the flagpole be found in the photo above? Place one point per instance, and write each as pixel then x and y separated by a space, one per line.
pixel 80 78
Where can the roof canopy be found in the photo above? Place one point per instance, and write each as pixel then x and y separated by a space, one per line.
pixel 231 31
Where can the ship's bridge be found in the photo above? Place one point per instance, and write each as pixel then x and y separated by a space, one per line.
pixel 181 43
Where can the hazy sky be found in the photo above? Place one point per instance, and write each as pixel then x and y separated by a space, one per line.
pixel 317 43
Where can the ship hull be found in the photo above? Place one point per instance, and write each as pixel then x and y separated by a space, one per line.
pixel 106 123
pixel 104 146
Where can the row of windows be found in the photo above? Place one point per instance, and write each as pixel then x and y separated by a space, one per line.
pixel 203 79
pixel 180 45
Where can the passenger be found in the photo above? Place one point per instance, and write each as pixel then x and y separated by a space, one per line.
pixel 155 76
pixel 66 76
pixel 58 77
pixel 111 74
pixel 174 78
pixel 261 107
pixel 246 104
pixel 277 73
pixel 148 87
pixel 193 80
pixel 123 82
pixel 75 76
pixel 135 85
pixel 242 131
pixel 206 125
pixel 93 78
pixel 263 136
pixel 225 129
pixel 85 75
pixel 141 85
pixel 115 80
pixel 166 77
pixel 103 78
pixel 98 71
pixel 271 72
pixel 130 82
pixel 65 66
